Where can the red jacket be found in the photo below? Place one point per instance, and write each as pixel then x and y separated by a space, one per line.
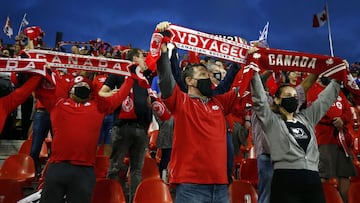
pixel 76 126
pixel 341 108
pixel 14 99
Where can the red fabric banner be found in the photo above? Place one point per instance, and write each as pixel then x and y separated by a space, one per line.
pixel 208 44
pixel 82 62
pixel 23 65
pixel 322 65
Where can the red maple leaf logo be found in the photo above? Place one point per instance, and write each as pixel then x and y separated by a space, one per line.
pixel 323 17
pixel 154 44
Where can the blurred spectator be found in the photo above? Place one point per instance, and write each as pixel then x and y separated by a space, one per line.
pixel 129 133
pixel 335 157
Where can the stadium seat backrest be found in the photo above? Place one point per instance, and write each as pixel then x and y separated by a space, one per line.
pixel 242 191
pixel 150 169
pixel 249 171
pixel 19 167
pixel 152 190
pixel 10 191
pixel 26 147
pixel 354 192
pixel 102 164
pixel 331 194
pixel 109 191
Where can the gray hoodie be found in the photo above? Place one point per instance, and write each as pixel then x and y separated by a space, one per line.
pixel 285 152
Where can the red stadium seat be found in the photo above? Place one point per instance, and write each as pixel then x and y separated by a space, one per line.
pixel 102 164
pixel 354 192
pixel 153 135
pixel 249 171
pixel 19 167
pixel 26 147
pixel 152 190
pixel 150 169
pixel 109 191
pixel 332 195
pixel 158 155
pixel 42 177
pixel 242 191
pixel 10 191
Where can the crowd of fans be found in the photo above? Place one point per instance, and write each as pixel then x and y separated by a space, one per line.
pixel 125 130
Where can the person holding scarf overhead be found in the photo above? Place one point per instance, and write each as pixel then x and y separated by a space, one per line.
pixel 76 115
pixel 198 160
pixel 292 140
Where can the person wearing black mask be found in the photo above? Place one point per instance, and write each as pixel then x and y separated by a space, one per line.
pixel 76 118
pixel 199 138
pixel 292 141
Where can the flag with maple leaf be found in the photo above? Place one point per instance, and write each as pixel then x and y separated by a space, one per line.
pixel 7 28
pixel 320 18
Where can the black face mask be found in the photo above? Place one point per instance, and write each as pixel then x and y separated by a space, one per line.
pixel 290 104
pixel 325 80
pixel 217 76
pixel 204 86
pixel 82 92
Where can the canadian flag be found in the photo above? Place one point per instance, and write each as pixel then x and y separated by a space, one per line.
pixel 7 28
pixel 320 18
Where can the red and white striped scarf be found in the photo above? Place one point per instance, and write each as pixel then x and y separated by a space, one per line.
pixel 39 58
pixel 82 62
pixel 199 42
pixel 272 59
pixel 23 65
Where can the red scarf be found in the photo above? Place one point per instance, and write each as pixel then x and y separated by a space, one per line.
pixel 23 65
pixel 273 59
pixel 81 62
pixel 276 59
pixel 322 65
pixel 198 42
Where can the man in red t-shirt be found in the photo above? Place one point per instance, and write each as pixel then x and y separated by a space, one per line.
pixel 198 163
pixel 334 163
pixel 76 118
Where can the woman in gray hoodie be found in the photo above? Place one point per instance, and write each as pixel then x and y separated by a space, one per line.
pixel 292 141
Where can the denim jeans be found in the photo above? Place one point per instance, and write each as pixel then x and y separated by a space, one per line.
pixel 265 173
pixel 105 131
pixel 195 193
pixel 41 128
pixel 130 138
pixel 230 156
